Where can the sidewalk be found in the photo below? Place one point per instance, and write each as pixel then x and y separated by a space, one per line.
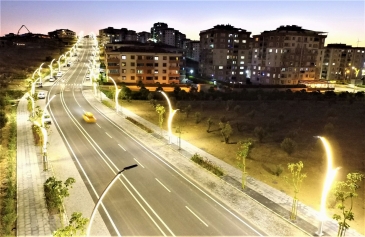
pixel 33 219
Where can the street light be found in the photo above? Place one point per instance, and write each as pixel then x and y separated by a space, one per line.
pixel 171 114
pixel 331 173
pixel 356 71
pixel 51 68
pixel 34 73
pixel 59 63
pixel 42 118
pixel 116 94
pixel 103 194
pixel 44 148
pixel 33 87
pixel 31 98
pixel 39 72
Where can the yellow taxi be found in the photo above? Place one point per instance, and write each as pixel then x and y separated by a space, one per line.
pixel 89 117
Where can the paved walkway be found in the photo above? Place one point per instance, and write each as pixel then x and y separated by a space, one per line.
pixel 270 214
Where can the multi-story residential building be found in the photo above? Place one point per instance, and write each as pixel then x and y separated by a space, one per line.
pixel 160 32
pixel 143 36
pixel 286 55
pixel 111 35
pixel 192 49
pixel 62 33
pixel 225 53
pixel 342 62
pixel 148 63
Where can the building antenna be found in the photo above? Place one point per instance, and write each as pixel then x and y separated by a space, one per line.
pixel 358 42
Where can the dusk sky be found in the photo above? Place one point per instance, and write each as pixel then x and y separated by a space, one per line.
pixel 343 20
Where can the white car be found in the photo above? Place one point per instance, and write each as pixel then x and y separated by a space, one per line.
pixel 87 77
pixel 41 95
pixel 52 79
pixel 59 74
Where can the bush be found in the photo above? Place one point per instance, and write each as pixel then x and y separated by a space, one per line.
pixel 198 117
pixel 288 145
pixel 207 164
pixel 260 133
pixel 140 125
pixel 278 170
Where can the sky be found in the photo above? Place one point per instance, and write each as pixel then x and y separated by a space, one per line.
pixel 344 21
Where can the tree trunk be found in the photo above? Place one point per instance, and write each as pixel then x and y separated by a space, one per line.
pixel 294 208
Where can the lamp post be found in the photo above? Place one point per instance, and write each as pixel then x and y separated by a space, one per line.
pixel 116 95
pixel 39 72
pixel 103 194
pixel 33 87
pixel 331 173
pixel 45 107
pixel 32 99
pixel 356 71
pixel 59 63
pixel 171 114
pixel 51 68
pixel 44 148
pixel 34 73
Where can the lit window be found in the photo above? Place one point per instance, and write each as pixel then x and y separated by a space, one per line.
pixel 268 74
pixel 139 71
pixel 242 67
pixel 241 73
pixel 220 67
pixel 333 63
pixel 254 73
pixel 243 41
pixel 242 62
pixel 270 50
pixel 242 57
pixel 156 57
pixel 124 77
pixel 124 57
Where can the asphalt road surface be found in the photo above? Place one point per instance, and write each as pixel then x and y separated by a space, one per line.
pixel 153 199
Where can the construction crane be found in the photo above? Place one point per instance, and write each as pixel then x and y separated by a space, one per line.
pixel 25 28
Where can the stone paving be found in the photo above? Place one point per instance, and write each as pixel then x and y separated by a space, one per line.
pixel 33 218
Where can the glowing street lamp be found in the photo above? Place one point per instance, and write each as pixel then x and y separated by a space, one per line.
pixel 103 194
pixel 34 73
pixel 33 86
pixel 45 107
pixel 171 114
pixel 331 173
pixel 59 63
pixel 39 72
pixel 356 71
pixel 116 94
pixel 51 68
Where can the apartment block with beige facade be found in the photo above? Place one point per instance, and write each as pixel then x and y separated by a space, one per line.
pixel 149 64
pixel 342 62
pixel 225 53
pixel 286 55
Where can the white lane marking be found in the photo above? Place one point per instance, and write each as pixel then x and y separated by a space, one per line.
pixel 108 135
pixel 98 125
pixel 121 147
pixel 86 135
pixel 197 216
pixel 163 185
pixel 138 163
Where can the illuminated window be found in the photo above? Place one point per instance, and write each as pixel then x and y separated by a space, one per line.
pixel 242 62
pixel 139 71
pixel 242 67
pixel 242 57
pixel 220 67
pixel 133 71
pixel 241 73
pixel 124 77
pixel 243 41
pixel 156 57
pixel 124 57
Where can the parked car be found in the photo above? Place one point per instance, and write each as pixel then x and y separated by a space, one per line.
pixel 39 84
pixel 87 77
pixel 47 118
pixel 41 95
pixel 89 117
pixel 52 79
pixel 59 74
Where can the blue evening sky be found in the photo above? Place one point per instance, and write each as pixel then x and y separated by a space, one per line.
pixel 343 20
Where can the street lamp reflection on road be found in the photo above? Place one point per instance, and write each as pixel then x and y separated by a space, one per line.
pixel 103 194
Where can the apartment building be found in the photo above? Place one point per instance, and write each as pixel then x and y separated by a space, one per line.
pixel 111 35
pixel 342 62
pixel 160 32
pixel 286 55
pixel 225 53
pixel 143 36
pixel 192 49
pixel 62 33
pixel 148 63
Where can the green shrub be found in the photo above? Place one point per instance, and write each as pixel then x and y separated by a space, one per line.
pixel 207 164
pixel 278 170
pixel 107 103
pixel 140 125
pixel 198 117
pixel 288 145
pixel 260 133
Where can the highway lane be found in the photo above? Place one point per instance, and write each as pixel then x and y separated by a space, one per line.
pixel 156 198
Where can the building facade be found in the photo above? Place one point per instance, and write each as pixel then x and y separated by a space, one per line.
pixel 160 32
pixel 192 49
pixel 225 53
pixel 286 56
pixel 62 33
pixel 146 63
pixel 342 62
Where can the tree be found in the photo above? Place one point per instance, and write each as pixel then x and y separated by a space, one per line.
pixel 243 153
pixel 76 227
pixel 3 119
pixel 295 181
pixel 346 191
pixel 188 110
pixel 209 122
pixel 260 133
pixel 288 145
pixel 198 117
pixel 237 109
pixel 226 131
pixel 161 111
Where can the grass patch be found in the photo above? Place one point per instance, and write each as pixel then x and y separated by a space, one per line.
pixel 140 125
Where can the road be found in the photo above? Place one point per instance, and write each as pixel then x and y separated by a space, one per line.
pixel 151 199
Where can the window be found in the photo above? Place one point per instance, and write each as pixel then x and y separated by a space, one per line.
pixel 241 73
pixel 164 78
pixel 156 57
pixel 242 62
pixel 156 64
pixel 140 57
pixel 133 64
pixel 124 57
pixel 133 71
pixel 242 57
pixel 163 71
pixel 132 78
pixel 164 64
pixel 124 70
pixel 139 71
pixel 132 57
pixel 243 41
pixel 123 64
pixel 140 78
pixel 164 57
pixel 124 77
pixel 220 67
pixel 156 71
pixel 242 67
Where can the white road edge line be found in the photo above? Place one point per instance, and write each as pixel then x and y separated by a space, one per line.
pixel 121 147
pixel 196 216
pixel 108 135
pixel 163 185
pixel 98 125
pixel 138 163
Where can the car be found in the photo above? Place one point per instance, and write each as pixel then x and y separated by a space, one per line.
pixel 69 64
pixel 89 117
pixel 87 77
pixel 59 74
pixel 39 84
pixel 41 95
pixel 47 118
pixel 52 79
